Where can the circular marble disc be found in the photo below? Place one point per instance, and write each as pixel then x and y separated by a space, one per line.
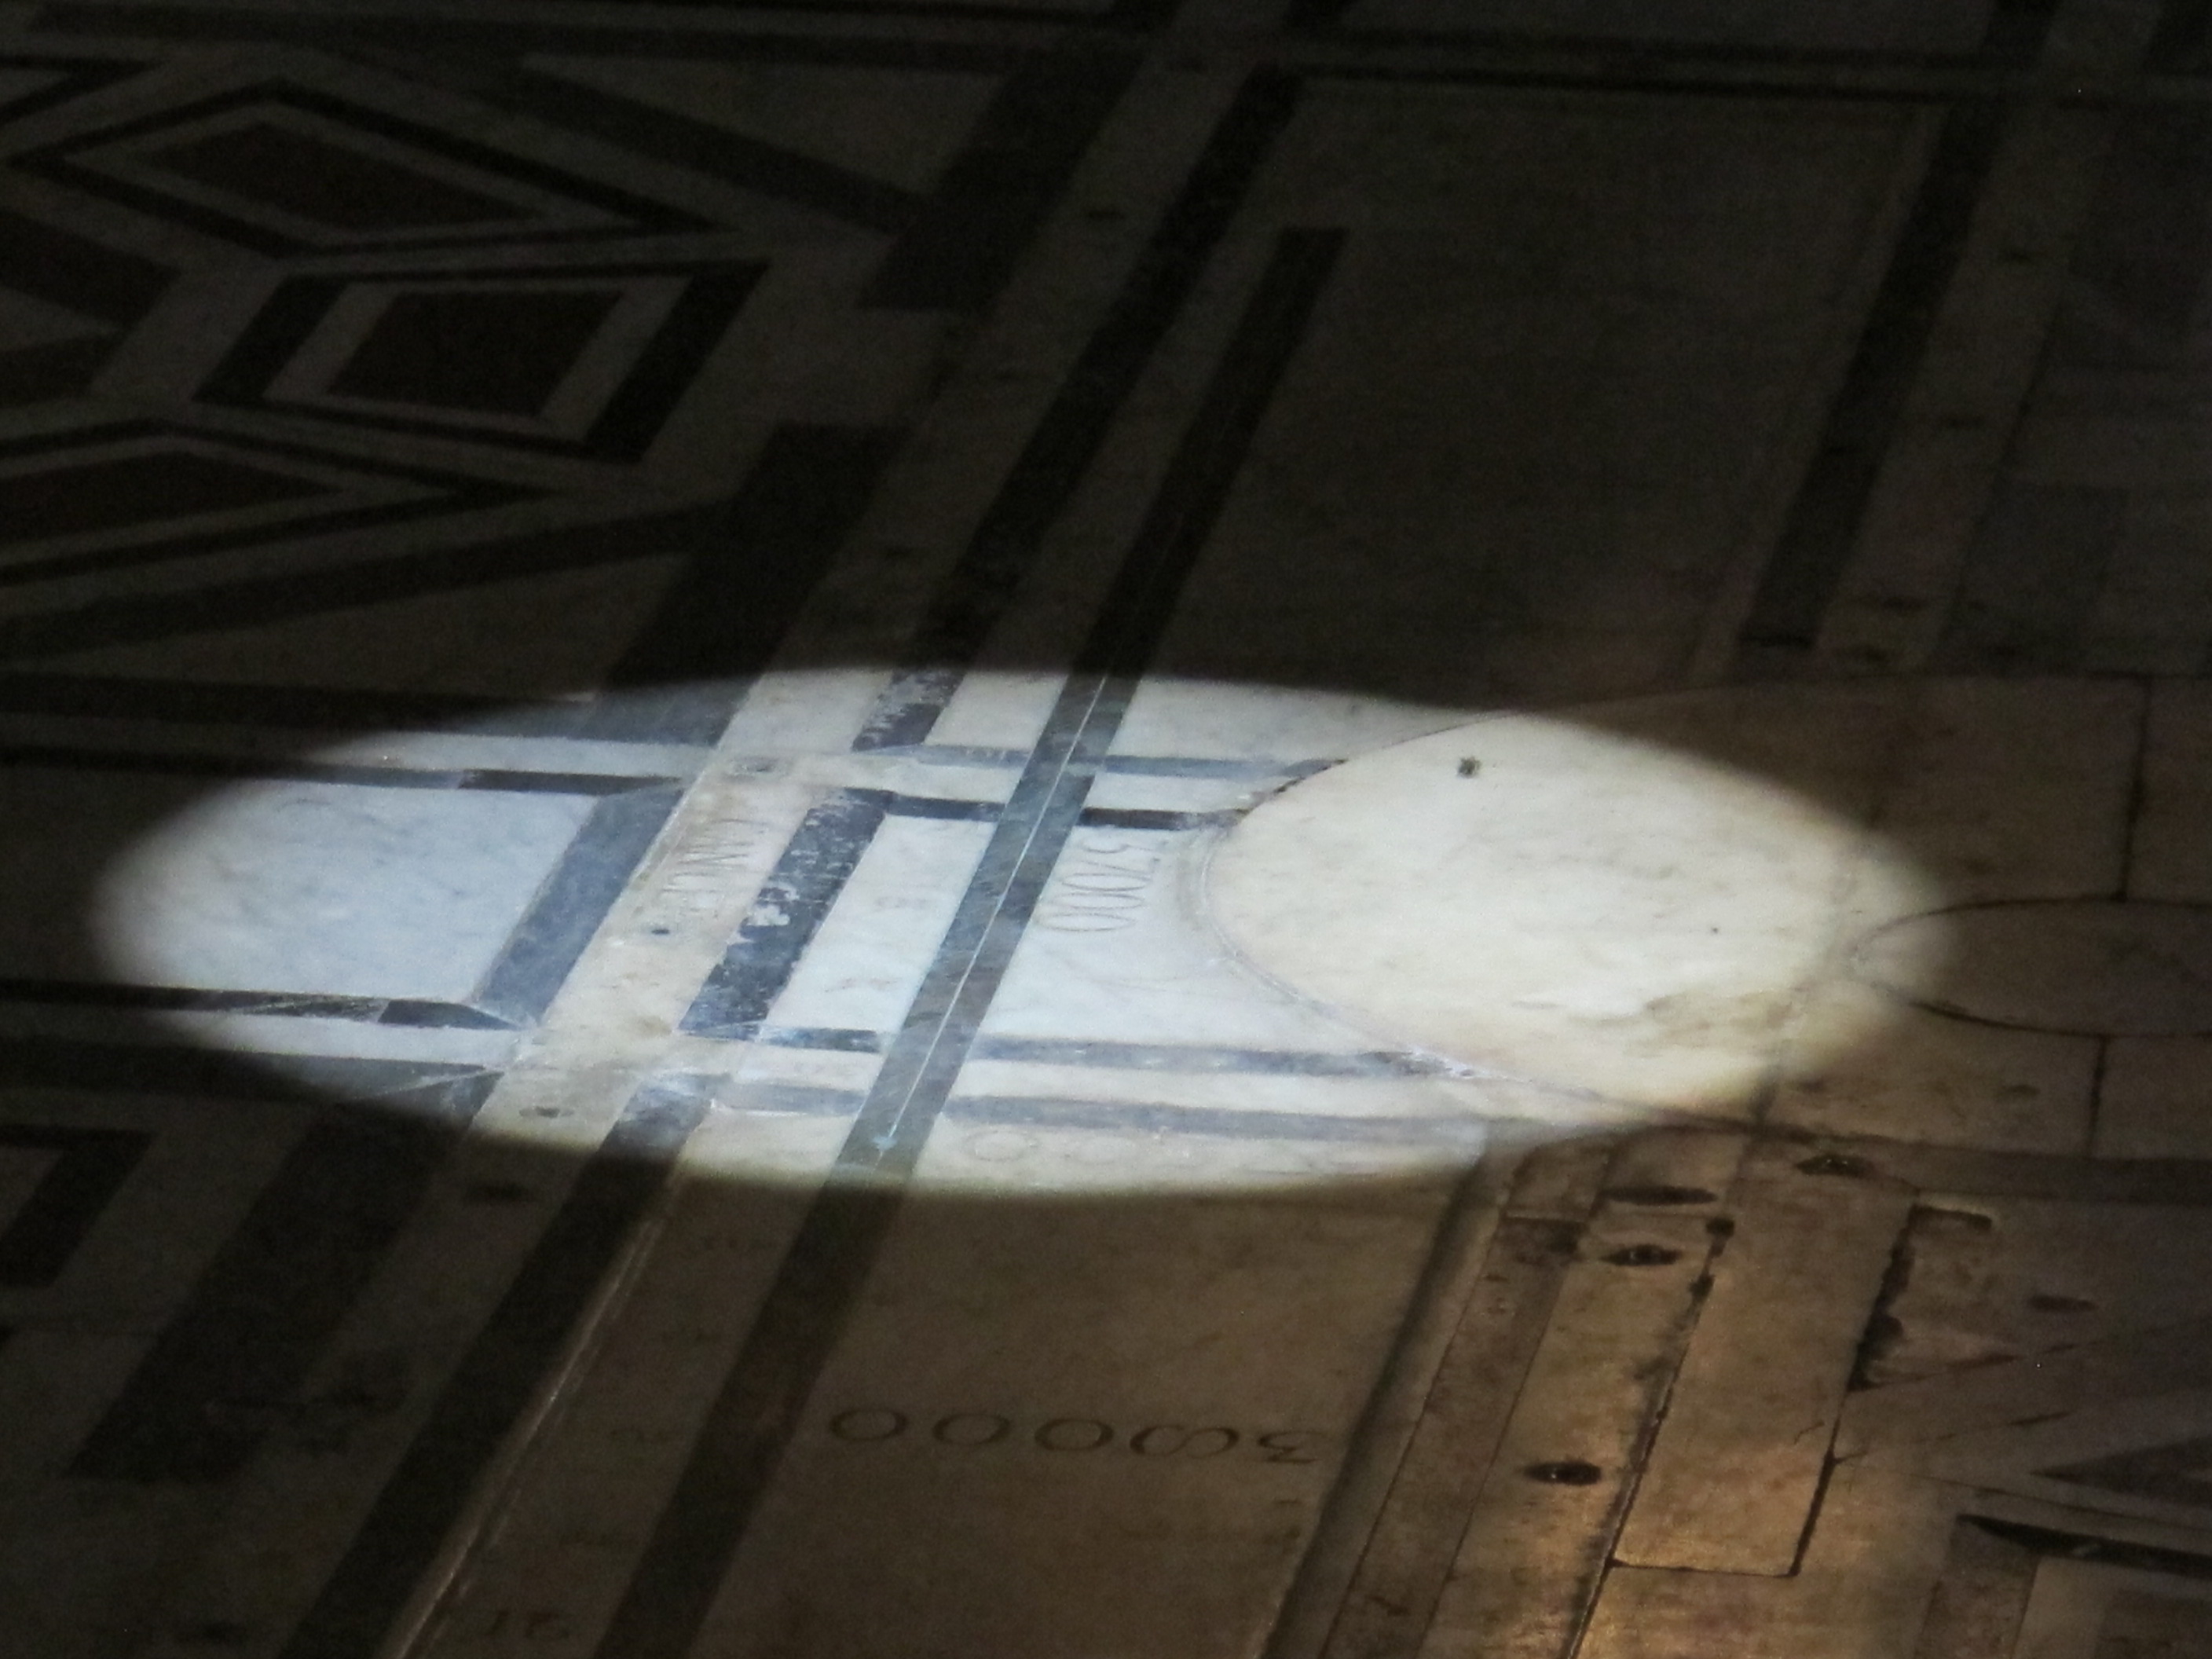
pixel 1629 901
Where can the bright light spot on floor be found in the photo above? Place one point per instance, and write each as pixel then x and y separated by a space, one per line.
pixel 1235 978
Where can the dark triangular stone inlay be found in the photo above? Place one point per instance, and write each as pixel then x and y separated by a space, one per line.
pixel 2179 1472
pixel 331 172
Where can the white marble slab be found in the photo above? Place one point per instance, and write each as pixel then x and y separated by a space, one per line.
pixel 866 962
pixel 333 889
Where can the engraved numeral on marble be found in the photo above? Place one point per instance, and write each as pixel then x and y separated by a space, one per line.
pixel 974 1431
pixel 1099 886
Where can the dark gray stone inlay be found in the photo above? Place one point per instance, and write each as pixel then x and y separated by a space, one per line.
pixel 334 184
pixel 496 351
pixel 118 491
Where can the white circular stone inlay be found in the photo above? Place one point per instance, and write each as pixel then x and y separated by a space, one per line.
pixel 1630 902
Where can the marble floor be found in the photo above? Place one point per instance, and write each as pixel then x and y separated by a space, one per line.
pixel 1106 830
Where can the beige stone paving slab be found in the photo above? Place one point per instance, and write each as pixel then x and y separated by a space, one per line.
pixel 1558 1180
pixel 1876 1549
pixel 1463 1417
pixel 1528 1565
pixel 1976 1610
pixel 1121 1417
pixel 2161 1614
pixel 1013 1158
pixel 2019 789
pixel 1383 1448
pixel 2084 1610
pixel 2152 1099
pixel 1557 1183
pixel 1890 605
pixel 1755 1404
pixel 1928 1077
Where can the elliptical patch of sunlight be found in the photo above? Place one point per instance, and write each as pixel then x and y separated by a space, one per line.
pixel 1567 922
